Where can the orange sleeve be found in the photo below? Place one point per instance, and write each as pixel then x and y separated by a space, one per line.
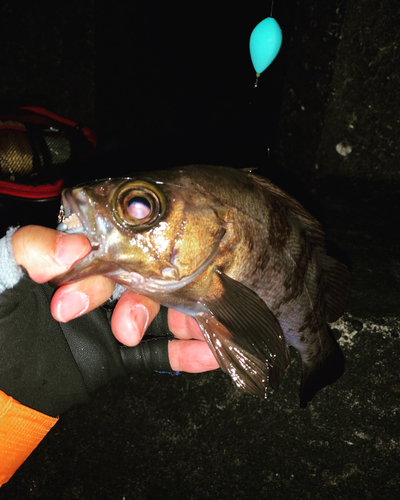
pixel 21 430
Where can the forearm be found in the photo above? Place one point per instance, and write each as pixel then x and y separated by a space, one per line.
pixel 21 427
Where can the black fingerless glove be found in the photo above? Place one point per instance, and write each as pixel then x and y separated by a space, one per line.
pixel 51 366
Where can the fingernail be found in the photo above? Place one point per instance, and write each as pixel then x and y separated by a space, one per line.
pixel 72 305
pixel 70 248
pixel 139 316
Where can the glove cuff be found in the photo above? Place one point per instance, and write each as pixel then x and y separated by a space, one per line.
pixel 10 272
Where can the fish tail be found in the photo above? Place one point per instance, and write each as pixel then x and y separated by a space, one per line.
pixel 321 371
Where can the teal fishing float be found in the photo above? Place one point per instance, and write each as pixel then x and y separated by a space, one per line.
pixel 265 43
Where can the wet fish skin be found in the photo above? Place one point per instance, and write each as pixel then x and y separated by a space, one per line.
pixel 236 252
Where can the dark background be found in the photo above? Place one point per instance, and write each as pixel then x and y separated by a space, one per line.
pixel 169 83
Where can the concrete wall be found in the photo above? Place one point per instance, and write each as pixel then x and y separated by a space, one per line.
pixel 340 111
pixel 363 120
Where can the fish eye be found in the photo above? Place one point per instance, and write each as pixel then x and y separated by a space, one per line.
pixel 138 204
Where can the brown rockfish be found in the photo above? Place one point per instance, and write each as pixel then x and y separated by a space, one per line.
pixel 228 248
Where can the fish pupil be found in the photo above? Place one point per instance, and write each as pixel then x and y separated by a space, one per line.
pixel 139 207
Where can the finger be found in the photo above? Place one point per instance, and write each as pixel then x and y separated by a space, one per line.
pixel 183 326
pixel 131 317
pixel 75 299
pixel 192 356
pixel 46 253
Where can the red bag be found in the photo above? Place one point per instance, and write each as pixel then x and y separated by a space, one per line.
pixel 36 145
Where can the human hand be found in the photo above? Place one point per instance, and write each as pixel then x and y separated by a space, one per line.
pixel 46 253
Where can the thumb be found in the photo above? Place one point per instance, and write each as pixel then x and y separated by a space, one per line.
pixel 46 253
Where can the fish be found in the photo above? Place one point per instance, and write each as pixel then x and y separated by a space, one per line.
pixel 229 248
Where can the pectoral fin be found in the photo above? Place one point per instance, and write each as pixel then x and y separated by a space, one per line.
pixel 245 336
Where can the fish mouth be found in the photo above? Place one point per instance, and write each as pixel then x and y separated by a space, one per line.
pixel 72 220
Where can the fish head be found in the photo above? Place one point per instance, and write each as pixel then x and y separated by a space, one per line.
pixel 147 233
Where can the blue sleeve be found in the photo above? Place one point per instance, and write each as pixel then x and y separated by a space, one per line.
pixel 10 271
